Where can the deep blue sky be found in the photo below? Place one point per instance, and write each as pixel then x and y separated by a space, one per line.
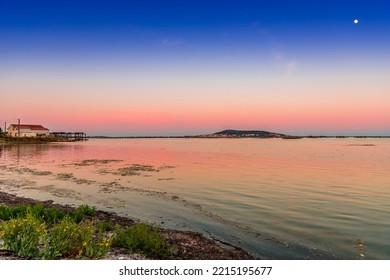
pixel 202 25
pixel 184 57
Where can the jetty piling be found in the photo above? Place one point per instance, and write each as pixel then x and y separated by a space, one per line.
pixel 73 136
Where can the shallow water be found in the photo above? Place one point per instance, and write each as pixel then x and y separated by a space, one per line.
pixel 282 199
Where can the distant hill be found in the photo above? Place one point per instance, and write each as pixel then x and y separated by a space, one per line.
pixel 231 133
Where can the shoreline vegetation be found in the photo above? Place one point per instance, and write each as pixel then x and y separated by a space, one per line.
pixel 32 229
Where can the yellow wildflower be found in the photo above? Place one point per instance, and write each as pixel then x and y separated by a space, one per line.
pixel 85 243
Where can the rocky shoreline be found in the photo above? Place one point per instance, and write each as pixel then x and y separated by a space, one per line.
pixel 186 245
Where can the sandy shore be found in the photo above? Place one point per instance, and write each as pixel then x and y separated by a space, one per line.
pixel 186 244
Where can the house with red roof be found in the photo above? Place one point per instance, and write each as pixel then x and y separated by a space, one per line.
pixel 27 130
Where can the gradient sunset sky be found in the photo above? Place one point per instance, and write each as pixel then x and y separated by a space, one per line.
pixel 195 67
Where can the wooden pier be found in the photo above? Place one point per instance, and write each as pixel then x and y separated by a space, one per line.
pixel 71 136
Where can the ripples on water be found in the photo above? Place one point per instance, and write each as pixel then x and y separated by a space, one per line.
pixel 307 198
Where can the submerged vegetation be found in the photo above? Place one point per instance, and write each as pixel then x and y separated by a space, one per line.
pixel 94 162
pixel 36 232
pixel 135 170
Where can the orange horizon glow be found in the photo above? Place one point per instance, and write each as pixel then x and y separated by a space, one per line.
pixel 186 105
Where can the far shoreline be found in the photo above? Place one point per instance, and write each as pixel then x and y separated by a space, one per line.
pixel 204 137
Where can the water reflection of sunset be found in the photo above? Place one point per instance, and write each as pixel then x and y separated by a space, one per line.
pixel 272 187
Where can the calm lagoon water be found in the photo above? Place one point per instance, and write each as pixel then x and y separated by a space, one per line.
pixel 279 199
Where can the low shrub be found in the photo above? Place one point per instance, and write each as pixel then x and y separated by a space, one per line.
pixel 22 235
pixel 50 215
pixel 142 238
pixel 53 215
pixel 83 211
pixel 62 239
pixel 33 231
pixel 9 212
pixel 94 248
pixel 71 239
pixel 104 226
pixel 5 213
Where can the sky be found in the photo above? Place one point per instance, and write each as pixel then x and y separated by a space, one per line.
pixel 131 68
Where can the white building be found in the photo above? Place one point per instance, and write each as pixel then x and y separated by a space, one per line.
pixel 27 130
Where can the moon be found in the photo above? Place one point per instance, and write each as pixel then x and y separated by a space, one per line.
pixel 356 21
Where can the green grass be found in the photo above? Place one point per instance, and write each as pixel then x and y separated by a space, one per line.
pixel 142 238
pixel 36 232
pixel 8 213
pixel 78 240
pixel 83 211
pixel 49 215
pixel 105 226
pixel 22 235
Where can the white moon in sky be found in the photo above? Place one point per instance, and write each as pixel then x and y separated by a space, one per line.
pixel 355 21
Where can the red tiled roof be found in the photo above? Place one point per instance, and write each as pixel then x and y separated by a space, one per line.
pixel 31 126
